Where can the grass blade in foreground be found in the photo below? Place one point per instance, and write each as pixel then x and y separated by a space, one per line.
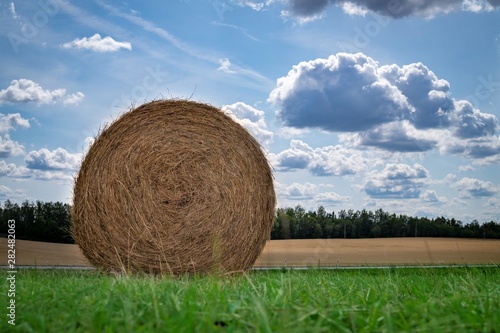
pixel 367 300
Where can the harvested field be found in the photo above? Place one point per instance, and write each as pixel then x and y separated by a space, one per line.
pixel 44 254
pixel 379 252
pixel 309 252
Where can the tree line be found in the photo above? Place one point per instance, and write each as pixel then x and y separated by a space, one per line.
pixel 296 223
pixel 51 222
pixel 38 221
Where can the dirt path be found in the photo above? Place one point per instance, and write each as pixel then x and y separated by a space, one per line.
pixel 310 252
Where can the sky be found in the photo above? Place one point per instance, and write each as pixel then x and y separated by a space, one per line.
pixel 390 104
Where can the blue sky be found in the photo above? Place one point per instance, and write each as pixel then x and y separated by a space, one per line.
pixel 389 104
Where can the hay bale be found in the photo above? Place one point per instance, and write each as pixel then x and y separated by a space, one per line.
pixel 176 187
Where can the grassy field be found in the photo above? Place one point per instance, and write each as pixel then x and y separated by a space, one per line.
pixel 423 299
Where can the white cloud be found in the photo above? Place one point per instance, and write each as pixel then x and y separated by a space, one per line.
pixel 11 120
pixel 22 173
pixel 344 93
pixel 325 161
pixel 25 90
pixel 97 44
pixel 257 6
pixel 431 197
pixel 404 171
pixel 298 156
pixel 292 132
pixel 10 148
pixel 225 65
pixel 465 168
pixel 297 191
pixel 252 119
pixel 397 109
pixel 447 180
pixel 482 151
pixel 308 10
pixel 472 123
pixel 469 188
pixel 337 161
pixel 354 9
pixel 58 159
pixel 331 198
pixel 398 136
pixel 13 171
pixel 399 181
pixel 308 194
pixel 74 99
pixel 302 19
pixel 476 6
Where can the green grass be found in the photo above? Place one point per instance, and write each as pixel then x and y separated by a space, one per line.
pixel 366 300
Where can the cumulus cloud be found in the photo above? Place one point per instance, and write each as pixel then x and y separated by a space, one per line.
pixel 8 147
pixel 469 188
pixel 298 156
pixel 24 91
pixel 398 109
pixel 12 170
pixel 58 159
pixel 252 119
pixel 343 93
pixel 305 9
pixel 325 161
pixel 471 123
pixel 12 120
pixel 477 6
pixel 482 151
pixel 331 198
pixel 21 172
pixel 297 191
pixel 396 181
pixel 98 44
pixel 431 197
pixel 398 136
pixel 74 99
pixel 337 161
pixel 307 192
pixel 291 132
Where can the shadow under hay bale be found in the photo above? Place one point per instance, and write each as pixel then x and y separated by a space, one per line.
pixel 173 187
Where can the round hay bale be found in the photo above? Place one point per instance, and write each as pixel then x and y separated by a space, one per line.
pixel 173 186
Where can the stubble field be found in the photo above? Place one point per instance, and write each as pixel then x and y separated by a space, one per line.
pixel 309 252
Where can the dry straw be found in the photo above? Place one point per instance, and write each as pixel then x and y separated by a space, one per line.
pixel 174 187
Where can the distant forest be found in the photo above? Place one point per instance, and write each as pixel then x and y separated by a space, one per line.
pixel 38 221
pixel 51 222
pixel 296 223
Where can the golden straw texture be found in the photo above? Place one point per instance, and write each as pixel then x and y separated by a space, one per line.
pixel 173 187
